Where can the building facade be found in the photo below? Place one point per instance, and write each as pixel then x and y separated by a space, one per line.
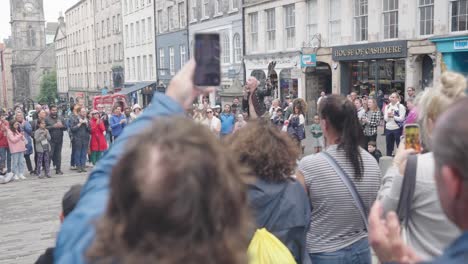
pixel 6 92
pixel 61 57
pixel 81 50
pixel 365 46
pixel 109 44
pixel 139 50
pixel 31 57
pixel 172 40
pixel 225 18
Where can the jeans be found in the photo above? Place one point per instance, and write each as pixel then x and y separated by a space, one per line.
pixel 17 163
pixel 27 158
pixel 81 150
pixel 392 137
pixel 43 158
pixel 72 158
pixel 357 253
pixel 56 154
pixel 3 158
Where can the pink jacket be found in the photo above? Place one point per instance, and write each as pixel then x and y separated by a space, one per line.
pixel 16 142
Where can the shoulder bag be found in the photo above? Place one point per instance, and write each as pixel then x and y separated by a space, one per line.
pixel 407 189
pixel 350 185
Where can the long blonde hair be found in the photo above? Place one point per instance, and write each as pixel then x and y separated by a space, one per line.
pixel 434 101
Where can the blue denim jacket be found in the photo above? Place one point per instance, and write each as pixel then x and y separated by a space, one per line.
pixel 456 253
pixel 78 230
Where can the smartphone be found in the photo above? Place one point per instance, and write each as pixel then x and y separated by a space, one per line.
pixel 207 57
pixel 413 137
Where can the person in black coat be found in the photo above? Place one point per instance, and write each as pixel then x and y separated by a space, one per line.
pixel 253 100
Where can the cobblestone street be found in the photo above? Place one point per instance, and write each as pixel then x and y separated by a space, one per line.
pixel 29 212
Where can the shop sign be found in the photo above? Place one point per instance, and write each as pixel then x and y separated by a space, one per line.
pixel 296 73
pixel 460 44
pixel 380 50
pixel 308 60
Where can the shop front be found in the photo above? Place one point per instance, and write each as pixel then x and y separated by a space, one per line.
pixel 369 68
pixel 454 52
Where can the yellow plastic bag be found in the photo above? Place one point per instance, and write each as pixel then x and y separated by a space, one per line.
pixel 265 248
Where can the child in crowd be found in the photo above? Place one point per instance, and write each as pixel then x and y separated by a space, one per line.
pixel 17 145
pixel 317 134
pixel 372 148
pixel 42 138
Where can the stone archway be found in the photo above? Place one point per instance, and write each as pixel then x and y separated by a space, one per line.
pixel 427 71
pixel 318 79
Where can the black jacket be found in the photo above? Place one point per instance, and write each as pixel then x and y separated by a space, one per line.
pixel 47 257
pixel 258 101
pixel 56 134
pixel 284 210
pixel 80 133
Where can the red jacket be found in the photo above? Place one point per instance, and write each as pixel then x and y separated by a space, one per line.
pixel 3 136
pixel 98 140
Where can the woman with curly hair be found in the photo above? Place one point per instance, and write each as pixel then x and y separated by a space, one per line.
pixel 296 124
pixel 278 201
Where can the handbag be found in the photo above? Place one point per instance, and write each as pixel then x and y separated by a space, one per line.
pixel 45 145
pixel 350 185
pixel 407 189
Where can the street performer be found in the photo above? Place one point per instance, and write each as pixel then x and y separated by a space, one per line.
pixel 253 101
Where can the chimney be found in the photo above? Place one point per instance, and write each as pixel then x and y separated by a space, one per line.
pixel 61 20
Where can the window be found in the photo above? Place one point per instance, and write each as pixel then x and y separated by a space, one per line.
pixel 233 5
pixel 390 15
pixel 193 10
pixel 120 52
pixel 335 21
pixel 31 37
pixel 162 62
pixel 426 17
pixel 150 28
pixel 127 69
pixel 171 61
pixel 109 52
pixel 217 7
pixel 99 55
pixel 225 52
pixel 459 16
pixel 108 27
pixel 126 6
pixel 143 30
pixel 132 35
pixel 253 18
pixel 139 68
pixel 103 29
pixel 205 7
pixel 150 64
pixel 104 55
pixel 133 68
pixel 183 55
pixel 170 21
pixel 181 10
pixel 114 26
pixel 142 3
pixel 160 23
pixel 137 30
pixel 126 36
pixel 290 25
pixel 144 68
pixel 116 52
pixel 118 23
pixel 270 29
pixel 360 20
pixel 130 5
pixel 237 48
pixel 312 19
pixel 137 4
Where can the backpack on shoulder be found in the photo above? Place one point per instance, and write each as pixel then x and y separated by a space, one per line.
pixel 265 248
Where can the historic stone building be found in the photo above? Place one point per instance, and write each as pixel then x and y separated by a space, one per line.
pixel 31 56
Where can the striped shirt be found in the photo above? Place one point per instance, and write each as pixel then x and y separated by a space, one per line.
pixel 336 222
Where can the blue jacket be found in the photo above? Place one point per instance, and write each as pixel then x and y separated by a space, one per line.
pixel 77 231
pixel 27 128
pixel 115 125
pixel 284 210
pixel 227 123
pixel 456 253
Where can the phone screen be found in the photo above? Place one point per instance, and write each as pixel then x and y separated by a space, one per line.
pixel 413 137
pixel 207 57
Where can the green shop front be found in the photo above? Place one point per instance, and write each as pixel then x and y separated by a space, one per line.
pixel 368 68
pixel 454 50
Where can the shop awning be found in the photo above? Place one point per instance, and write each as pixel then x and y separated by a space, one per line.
pixel 135 87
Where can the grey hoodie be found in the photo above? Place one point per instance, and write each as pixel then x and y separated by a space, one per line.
pixel 284 210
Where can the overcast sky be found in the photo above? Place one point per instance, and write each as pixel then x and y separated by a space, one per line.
pixel 51 12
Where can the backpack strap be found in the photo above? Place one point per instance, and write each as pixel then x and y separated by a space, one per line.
pixel 407 189
pixel 350 185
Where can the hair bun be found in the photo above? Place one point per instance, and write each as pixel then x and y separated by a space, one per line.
pixel 453 84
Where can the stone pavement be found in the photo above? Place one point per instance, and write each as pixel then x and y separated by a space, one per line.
pixel 29 212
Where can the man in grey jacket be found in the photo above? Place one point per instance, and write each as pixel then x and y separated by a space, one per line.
pixel 56 126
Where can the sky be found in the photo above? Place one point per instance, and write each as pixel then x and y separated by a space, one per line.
pixel 51 12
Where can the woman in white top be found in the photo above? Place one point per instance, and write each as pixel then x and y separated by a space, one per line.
pixel 394 115
pixel 212 122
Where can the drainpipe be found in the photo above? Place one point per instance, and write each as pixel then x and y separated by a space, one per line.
pixel 187 28
pixel 243 41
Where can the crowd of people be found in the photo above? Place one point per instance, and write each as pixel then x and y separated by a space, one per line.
pixel 91 132
pixel 188 197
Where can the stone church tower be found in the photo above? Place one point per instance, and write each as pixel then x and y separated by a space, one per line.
pixel 29 44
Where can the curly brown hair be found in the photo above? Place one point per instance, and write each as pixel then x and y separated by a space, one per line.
pixel 270 154
pixel 174 198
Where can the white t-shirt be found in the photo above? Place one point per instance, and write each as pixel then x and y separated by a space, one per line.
pixel 214 124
